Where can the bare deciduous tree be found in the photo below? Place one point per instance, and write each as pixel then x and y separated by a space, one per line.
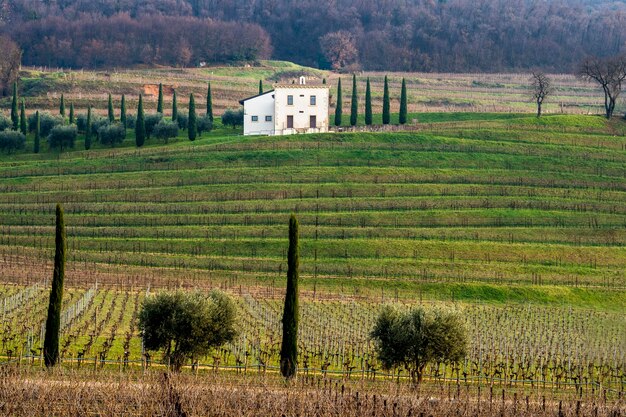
pixel 339 48
pixel 541 88
pixel 609 73
pixel 10 61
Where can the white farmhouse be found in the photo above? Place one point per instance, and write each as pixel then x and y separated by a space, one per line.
pixel 287 109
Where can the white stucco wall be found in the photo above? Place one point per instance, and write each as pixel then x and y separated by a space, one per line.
pixel 261 106
pixel 301 109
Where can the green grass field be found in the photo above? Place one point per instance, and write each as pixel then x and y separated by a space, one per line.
pixel 503 212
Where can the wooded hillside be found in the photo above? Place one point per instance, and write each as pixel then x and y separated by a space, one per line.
pixel 422 35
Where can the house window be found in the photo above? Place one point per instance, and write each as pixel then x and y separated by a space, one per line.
pixel 268 118
pixel 289 122
pixel 255 118
pixel 313 100
pixel 313 122
pixel 290 100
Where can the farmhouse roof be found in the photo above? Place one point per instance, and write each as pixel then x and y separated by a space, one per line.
pixel 258 95
pixel 300 86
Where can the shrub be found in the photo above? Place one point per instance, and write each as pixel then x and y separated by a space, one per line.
pixel 11 140
pixel 111 134
pixel 183 120
pixel 151 120
pixel 165 130
pixel 131 119
pixel 416 337
pixel 232 118
pixel 61 137
pixel 4 123
pixel 186 325
pixel 46 123
pixel 98 122
pixel 204 124
pixel 81 122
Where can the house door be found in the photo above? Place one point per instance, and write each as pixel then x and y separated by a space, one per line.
pixel 289 122
pixel 313 122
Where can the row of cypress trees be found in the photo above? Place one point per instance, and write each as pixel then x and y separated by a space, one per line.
pixel 354 110
pixel 192 132
pixel 19 121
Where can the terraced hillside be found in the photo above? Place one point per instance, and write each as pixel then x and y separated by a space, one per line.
pixel 427 92
pixel 514 211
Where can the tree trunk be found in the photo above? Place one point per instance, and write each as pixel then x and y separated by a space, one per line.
pixel 539 108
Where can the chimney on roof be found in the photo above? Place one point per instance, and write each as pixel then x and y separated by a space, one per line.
pixel 302 80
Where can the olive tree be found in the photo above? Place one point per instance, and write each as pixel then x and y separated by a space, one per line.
pixel 62 137
pixel 416 337
pixel 233 118
pixel 165 130
pixel 11 140
pixel 186 325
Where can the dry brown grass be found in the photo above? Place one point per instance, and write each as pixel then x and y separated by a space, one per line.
pixel 32 392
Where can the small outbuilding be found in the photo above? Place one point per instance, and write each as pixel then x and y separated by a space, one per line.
pixel 287 109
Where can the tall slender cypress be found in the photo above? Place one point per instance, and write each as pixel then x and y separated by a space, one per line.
pixel 160 101
pixel 37 133
pixel 209 103
pixel 174 108
pixel 140 125
pixel 403 103
pixel 53 321
pixel 289 348
pixel 191 127
pixel 368 103
pixel 23 122
pixel 260 87
pixel 354 106
pixel 386 114
pixel 111 111
pixel 15 117
pixel 88 130
pixel 123 111
pixel 72 113
pixel 62 106
pixel 338 109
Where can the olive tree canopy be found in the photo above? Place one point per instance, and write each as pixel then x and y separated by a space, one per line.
pixel 186 325
pixel 416 337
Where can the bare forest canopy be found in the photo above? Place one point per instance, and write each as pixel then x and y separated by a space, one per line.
pixel 396 35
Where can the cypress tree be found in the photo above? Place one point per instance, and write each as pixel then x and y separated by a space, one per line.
pixel 88 130
pixel 140 125
pixel 260 87
pixel 209 103
pixel 324 81
pixel 386 114
pixel 37 133
pixel 368 103
pixel 23 122
pixel 71 113
pixel 191 127
pixel 123 111
pixel 403 103
pixel 53 321
pixel 111 111
pixel 354 108
pixel 338 109
pixel 160 101
pixel 289 348
pixel 62 106
pixel 15 117
pixel 174 108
